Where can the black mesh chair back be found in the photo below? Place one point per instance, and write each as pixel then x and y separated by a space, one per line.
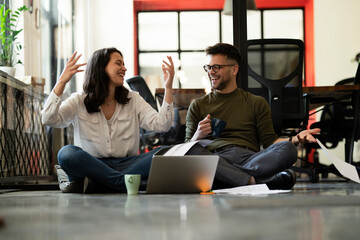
pixel 275 72
pixel 139 85
pixel 149 139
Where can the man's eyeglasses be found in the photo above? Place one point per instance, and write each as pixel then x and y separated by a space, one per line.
pixel 215 67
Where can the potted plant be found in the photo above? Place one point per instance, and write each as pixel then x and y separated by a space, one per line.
pixel 9 47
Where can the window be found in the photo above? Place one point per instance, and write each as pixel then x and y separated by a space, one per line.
pixel 181 34
pixel 275 23
pixel 57 39
pixel 272 23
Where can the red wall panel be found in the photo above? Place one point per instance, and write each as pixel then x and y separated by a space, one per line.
pixel 163 5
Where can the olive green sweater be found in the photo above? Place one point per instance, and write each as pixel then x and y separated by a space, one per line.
pixel 247 116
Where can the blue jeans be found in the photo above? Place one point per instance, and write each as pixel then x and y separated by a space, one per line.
pixel 78 164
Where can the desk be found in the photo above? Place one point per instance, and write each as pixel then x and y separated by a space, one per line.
pixel 321 95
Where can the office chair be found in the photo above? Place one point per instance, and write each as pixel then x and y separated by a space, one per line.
pixel 275 72
pixel 139 85
pixel 149 139
pixel 337 122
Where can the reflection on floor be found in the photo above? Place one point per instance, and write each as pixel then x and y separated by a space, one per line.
pixel 326 210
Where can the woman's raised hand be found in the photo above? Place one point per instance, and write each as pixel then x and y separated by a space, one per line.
pixel 70 69
pixel 168 72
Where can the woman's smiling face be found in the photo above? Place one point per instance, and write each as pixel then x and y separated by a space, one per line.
pixel 116 69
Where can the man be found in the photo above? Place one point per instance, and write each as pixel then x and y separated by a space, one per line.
pixel 248 127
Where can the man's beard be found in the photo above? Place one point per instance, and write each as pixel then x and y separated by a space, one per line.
pixel 222 85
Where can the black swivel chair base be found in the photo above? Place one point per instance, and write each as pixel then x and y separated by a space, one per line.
pixel 316 169
pixel 310 171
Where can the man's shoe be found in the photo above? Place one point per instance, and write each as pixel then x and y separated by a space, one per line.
pixel 64 184
pixel 284 180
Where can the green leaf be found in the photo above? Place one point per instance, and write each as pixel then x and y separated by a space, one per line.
pixel 23 8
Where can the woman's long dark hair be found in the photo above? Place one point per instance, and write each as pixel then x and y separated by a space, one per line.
pixel 96 85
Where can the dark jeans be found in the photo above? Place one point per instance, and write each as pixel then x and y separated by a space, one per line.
pixel 237 164
pixel 107 171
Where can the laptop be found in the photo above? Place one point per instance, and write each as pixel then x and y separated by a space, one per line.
pixel 181 174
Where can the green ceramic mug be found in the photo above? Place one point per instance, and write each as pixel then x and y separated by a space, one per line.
pixel 132 182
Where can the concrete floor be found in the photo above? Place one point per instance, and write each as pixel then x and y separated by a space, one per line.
pixel 327 210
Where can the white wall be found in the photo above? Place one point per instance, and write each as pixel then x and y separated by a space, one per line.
pixel 337 39
pixel 100 24
pixel 82 38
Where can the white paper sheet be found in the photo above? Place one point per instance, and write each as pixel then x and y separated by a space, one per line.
pixel 346 169
pixel 179 149
pixel 257 189
pixel 183 148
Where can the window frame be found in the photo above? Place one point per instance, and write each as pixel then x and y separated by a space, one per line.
pixel 262 30
pixel 178 51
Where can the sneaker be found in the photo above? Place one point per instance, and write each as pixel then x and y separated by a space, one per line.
pixel 65 185
pixel 284 180
pixel 61 174
pixel 72 187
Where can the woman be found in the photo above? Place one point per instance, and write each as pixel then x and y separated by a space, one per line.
pixel 106 119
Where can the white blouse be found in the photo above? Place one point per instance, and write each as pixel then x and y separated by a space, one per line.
pixel 91 131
